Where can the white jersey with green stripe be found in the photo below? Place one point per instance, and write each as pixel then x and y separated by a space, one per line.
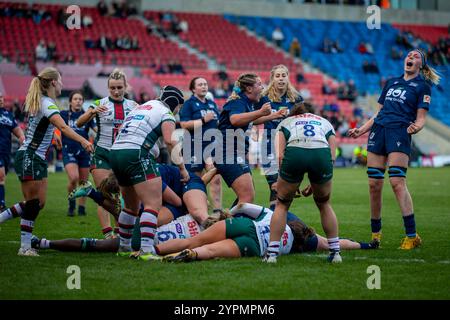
pixel 306 131
pixel 181 228
pixel 108 122
pixel 262 224
pixel 39 133
pixel 142 127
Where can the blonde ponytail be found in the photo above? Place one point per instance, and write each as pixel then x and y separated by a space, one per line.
pixel 431 74
pixel 38 87
pixel 245 80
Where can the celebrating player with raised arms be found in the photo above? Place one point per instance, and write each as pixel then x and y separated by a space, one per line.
pixel 403 107
pixel 109 113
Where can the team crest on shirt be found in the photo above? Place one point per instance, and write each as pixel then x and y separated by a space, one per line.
pixel 398 144
pixel 426 98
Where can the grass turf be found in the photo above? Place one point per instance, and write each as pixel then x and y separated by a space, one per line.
pixel 423 273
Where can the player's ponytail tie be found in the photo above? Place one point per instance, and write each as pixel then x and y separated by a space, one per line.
pixel 236 89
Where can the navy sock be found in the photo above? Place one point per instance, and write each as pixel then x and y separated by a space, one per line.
pixel 72 205
pixel 96 196
pixel 81 209
pixel 410 225
pixel 376 225
pixel 2 195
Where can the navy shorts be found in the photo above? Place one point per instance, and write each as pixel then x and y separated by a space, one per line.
pixel 383 141
pixel 79 157
pixel 4 161
pixel 231 172
pixel 176 211
pixel 194 183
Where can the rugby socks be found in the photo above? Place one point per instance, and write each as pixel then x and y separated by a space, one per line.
pixel 2 196
pixel 97 196
pixel 81 210
pixel 14 212
pixel 126 225
pixel 274 248
pixel 410 226
pixel 72 205
pixel 107 232
pixel 26 230
pixel 375 225
pixel 44 244
pixel 148 223
pixel 333 245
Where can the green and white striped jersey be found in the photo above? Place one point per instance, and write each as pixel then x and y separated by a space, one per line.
pixel 39 133
pixel 142 127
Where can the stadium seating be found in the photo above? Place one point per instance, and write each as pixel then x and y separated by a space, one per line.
pixel 21 37
pixel 348 65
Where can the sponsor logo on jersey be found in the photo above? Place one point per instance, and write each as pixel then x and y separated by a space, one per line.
pixel 426 98
pixel 317 123
pixel 145 107
pixel 179 228
pixel 299 123
pixel 413 84
pixel 398 143
pixel 52 107
pixel 192 228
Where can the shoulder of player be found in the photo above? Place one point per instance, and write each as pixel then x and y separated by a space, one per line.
pixel 49 103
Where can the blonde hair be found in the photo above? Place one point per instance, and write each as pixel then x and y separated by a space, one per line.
pixel 118 74
pixel 431 74
pixel 272 93
pixel 39 87
pixel 245 80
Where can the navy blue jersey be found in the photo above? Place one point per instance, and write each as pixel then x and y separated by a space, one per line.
pixel 285 102
pixel 232 107
pixel 194 109
pixel 70 118
pixel 7 125
pixel 171 177
pixel 401 99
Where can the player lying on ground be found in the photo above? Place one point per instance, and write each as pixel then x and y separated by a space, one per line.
pixel 178 198
pixel 183 227
pixel 248 235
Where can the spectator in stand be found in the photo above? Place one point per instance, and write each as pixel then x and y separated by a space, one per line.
pixel 131 10
pixel 352 93
pixel 87 21
pixel 362 48
pixel 102 8
pixel 344 127
pixel 220 91
pixel 278 37
pixel 299 76
pixel 135 43
pixel 222 74
pixel 373 67
pixel 51 51
pixel 176 67
pixel 184 26
pixel 160 67
pixel 327 88
pixel 327 45
pixel 295 49
pixel 342 91
pixel 41 51
pixel 104 43
pixel 89 43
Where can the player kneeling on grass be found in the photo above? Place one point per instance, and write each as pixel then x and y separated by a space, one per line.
pixel 247 235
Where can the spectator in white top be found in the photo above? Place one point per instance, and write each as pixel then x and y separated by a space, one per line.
pixel 278 36
pixel 41 51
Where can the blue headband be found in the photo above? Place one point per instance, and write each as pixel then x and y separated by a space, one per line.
pixel 422 56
